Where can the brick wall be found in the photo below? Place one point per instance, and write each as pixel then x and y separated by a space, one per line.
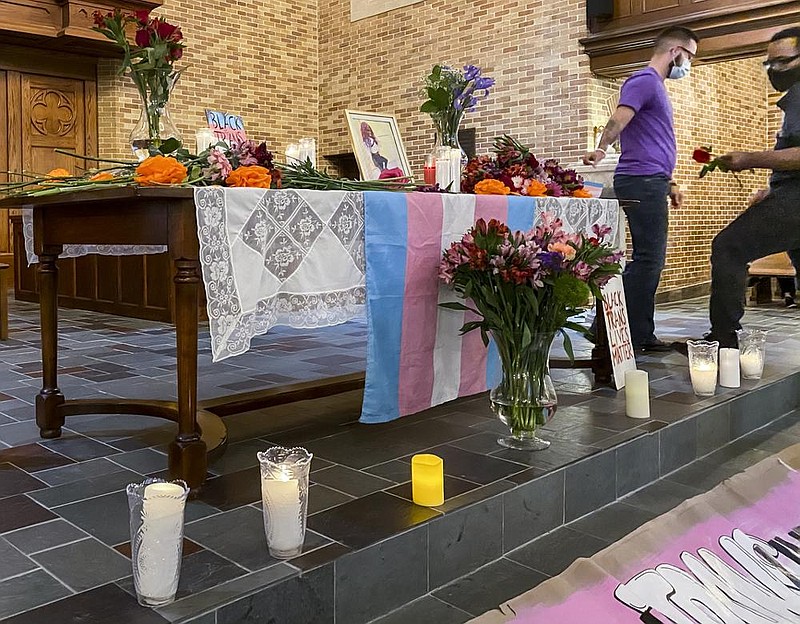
pixel 252 58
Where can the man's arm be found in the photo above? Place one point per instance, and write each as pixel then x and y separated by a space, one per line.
pixel 778 160
pixel 614 127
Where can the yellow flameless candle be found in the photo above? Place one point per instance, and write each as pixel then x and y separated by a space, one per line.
pixel 427 480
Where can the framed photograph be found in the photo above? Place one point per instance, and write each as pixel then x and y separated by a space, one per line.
pixel 376 144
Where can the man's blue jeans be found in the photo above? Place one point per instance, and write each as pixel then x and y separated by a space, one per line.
pixel 647 222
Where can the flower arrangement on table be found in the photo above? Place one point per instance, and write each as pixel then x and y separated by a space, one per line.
pixel 515 169
pixel 149 62
pixel 524 287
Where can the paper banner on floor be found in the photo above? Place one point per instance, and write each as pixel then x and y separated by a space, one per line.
pixel 709 561
pixel 416 358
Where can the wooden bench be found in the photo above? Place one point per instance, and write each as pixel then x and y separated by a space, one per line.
pixel 762 271
pixel 4 286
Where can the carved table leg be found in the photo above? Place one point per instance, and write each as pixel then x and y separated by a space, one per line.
pixel 187 453
pixel 49 398
pixel 601 356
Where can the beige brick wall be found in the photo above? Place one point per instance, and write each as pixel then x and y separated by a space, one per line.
pixel 292 68
pixel 252 58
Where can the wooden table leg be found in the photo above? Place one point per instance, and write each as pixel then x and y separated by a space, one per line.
pixel 49 398
pixel 187 453
pixel 601 355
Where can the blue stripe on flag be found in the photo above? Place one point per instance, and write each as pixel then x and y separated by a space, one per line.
pixel 385 236
pixel 521 215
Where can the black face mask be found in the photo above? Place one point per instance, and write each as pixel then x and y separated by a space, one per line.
pixel 783 80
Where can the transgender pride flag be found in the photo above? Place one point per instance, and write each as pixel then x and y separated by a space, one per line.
pixel 415 356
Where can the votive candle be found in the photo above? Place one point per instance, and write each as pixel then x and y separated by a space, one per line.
pixel 427 480
pixel 637 394
pixel 704 378
pixel 282 508
pixel 158 555
pixel 752 363
pixel 729 368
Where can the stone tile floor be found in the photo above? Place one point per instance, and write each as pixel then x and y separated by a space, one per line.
pixel 63 501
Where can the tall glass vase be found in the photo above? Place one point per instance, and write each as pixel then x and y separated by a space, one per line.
pixel 155 124
pixel 525 398
pixel 447 151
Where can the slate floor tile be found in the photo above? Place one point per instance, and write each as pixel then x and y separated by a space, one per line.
pixel 321 498
pixel 79 448
pixel 349 481
pixel 101 605
pixel 452 487
pixel 481 469
pixel 426 609
pixel 44 535
pixel 144 461
pixel 33 457
pixel 86 488
pixel 15 481
pixel 27 592
pixel 702 475
pixel 104 564
pixel 555 552
pixel 233 490
pixel 12 561
pixel 20 511
pixel 614 522
pixel 77 471
pixel 489 586
pixel 661 496
pixel 394 470
pixel 105 517
pixel 369 519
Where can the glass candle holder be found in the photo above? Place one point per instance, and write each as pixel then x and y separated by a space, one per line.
pixel 703 366
pixel 156 513
pixel 308 151
pixel 752 352
pixel 284 494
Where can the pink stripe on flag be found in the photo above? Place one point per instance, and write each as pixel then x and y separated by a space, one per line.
pixel 420 302
pixel 473 351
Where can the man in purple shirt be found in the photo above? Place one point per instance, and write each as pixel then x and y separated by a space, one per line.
pixel 643 123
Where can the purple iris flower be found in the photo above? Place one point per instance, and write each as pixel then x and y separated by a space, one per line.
pixel 484 83
pixel 471 72
pixel 551 260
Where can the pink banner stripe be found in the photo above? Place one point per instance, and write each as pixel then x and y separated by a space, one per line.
pixel 473 351
pixel 420 301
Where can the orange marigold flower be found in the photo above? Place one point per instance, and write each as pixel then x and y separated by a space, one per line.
pixel 537 189
pixel 56 174
pixel 491 186
pixel 252 176
pixel 160 170
pixel 102 176
pixel 582 193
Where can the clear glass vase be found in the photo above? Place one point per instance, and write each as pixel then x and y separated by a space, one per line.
pixel 525 399
pixel 752 352
pixel 156 514
pixel 449 168
pixel 155 124
pixel 284 494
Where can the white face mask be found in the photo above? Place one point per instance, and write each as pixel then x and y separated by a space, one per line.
pixel 680 71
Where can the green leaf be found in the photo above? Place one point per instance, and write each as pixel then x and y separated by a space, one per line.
pixel 484 336
pixel 568 346
pixel 453 305
pixel 170 145
pixel 429 107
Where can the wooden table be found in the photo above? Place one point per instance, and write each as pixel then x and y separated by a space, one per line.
pixel 141 216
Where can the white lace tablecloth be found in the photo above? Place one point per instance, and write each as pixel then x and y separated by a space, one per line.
pixel 75 251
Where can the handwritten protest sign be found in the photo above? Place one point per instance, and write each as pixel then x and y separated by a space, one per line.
pixel 227 127
pixel 615 313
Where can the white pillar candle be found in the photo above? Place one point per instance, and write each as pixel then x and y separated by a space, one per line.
pixel 704 378
pixel 443 172
pixel 729 368
pixel 637 394
pixel 292 153
pixel 455 170
pixel 159 553
pixel 204 138
pixel 282 510
pixel 752 363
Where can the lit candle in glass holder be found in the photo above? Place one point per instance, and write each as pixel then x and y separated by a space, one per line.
pixel 752 352
pixel 703 366
pixel 284 494
pixel 427 480
pixel 156 508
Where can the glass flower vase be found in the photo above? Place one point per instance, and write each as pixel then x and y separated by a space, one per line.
pixel 156 515
pixel 447 153
pixel 155 124
pixel 525 399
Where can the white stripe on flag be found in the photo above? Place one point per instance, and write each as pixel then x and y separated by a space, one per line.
pixel 458 216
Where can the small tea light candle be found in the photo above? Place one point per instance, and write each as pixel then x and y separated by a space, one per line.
pixel 159 555
pixel 752 363
pixel 427 480
pixel 283 513
pixel 729 368
pixel 637 394
pixel 704 378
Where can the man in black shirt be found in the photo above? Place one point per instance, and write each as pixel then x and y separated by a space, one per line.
pixel 772 222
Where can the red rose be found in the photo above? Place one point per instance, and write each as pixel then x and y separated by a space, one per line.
pixel 396 172
pixel 165 30
pixel 99 18
pixel 142 38
pixel 141 17
pixel 175 54
pixel 701 155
